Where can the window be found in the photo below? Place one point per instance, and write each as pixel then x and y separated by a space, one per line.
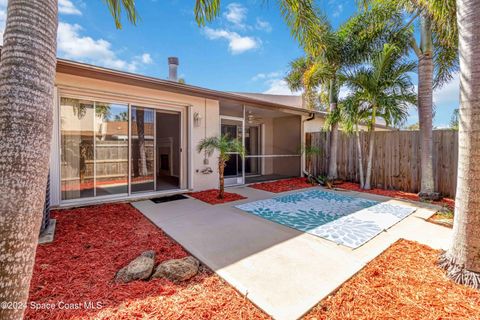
pixel 94 148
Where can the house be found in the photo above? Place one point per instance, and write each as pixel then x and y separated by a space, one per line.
pixel 119 135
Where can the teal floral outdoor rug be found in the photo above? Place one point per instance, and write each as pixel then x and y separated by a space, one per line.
pixel 346 220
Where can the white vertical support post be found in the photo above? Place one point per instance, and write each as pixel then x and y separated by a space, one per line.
pixel 154 149
pixel 190 146
pixel 129 177
pixel 302 145
pixel 243 143
pixel 55 152
pixel 94 150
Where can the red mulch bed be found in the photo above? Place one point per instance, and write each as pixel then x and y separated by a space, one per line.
pixel 211 196
pixel 92 243
pixel 404 282
pixel 445 202
pixel 283 185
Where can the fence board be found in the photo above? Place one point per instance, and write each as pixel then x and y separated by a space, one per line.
pixel 396 159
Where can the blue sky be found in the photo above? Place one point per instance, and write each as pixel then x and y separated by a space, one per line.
pixel 247 48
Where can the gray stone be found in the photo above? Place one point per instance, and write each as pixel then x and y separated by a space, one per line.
pixel 139 268
pixel 177 269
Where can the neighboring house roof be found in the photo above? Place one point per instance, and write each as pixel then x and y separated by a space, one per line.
pixel 101 73
pixel 290 100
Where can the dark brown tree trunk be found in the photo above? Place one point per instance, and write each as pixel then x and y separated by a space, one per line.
pixel 462 260
pixel 27 75
pixel 221 171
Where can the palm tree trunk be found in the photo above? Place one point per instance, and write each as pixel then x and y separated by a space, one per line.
pixel 371 130
pixel 368 178
pixel 360 157
pixel 332 161
pixel 221 171
pixel 27 75
pixel 425 110
pixel 462 260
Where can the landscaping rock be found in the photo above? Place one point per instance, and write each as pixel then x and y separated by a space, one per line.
pixel 177 269
pixel 139 268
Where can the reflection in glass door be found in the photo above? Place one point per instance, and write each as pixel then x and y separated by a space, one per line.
pixel 143 149
pixel 111 149
pixel 76 161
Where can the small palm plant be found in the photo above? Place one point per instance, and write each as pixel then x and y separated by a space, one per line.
pixel 225 146
pixel 310 152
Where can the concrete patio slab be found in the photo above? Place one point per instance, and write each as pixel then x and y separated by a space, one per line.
pixel 283 271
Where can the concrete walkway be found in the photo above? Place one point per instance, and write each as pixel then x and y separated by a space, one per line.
pixel 281 270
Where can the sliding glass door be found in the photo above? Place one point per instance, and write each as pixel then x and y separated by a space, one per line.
pixel 112 149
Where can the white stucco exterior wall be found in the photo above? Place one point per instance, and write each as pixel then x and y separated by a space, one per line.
pixel 107 91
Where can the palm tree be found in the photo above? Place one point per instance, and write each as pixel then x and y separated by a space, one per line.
pixel 27 75
pixel 462 260
pixel 319 71
pixel 382 89
pixel 225 147
pixel 437 55
pixel 350 115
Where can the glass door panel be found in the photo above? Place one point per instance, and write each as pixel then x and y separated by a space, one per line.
pixel 168 147
pixel 234 166
pixel 77 154
pixel 111 149
pixel 143 147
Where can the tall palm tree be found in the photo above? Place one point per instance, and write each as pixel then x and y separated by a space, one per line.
pixel 462 260
pixel 225 146
pixel 362 35
pixel 27 74
pixel 383 89
pixel 437 55
pixel 351 114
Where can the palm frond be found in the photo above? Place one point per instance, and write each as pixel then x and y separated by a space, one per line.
pixel 307 24
pixel 116 8
pixel 206 10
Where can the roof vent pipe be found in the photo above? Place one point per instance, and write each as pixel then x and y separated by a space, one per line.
pixel 172 69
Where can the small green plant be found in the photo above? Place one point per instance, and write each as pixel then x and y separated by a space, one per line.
pixel 310 151
pixel 225 146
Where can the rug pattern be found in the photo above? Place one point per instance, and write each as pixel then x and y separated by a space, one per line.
pixel 346 220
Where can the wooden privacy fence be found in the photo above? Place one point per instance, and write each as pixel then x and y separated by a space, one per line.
pixel 396 159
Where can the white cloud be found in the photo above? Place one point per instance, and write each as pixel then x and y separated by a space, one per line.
pixel 67 7
pixel 279 86
pixel 236 43
pixel 263 25
pixel 263 76
pixel 236 14
pixel 146 58
pixel 72 45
